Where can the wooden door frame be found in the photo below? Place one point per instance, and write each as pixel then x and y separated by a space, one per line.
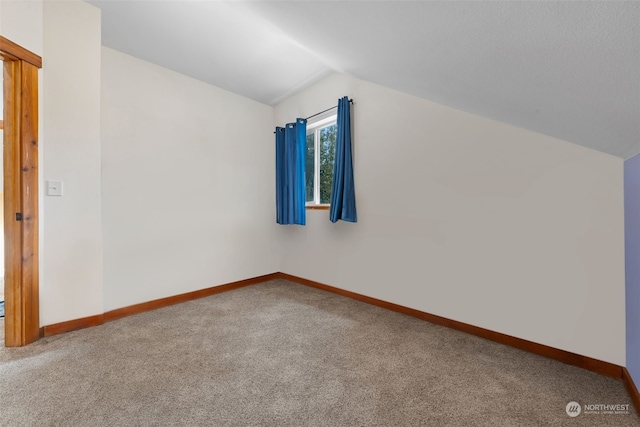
pixel 21 286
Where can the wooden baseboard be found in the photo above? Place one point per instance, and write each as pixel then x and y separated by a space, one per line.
pixel 631 389
pixel 87 322
pixel 598 366
pixel 176 299
pixel 73 325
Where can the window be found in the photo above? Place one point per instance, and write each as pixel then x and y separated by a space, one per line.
pixel 321 147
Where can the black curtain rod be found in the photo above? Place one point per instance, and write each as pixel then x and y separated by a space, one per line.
pixel 328 109
pixel 324 111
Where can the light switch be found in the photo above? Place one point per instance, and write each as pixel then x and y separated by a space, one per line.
pixel 54 188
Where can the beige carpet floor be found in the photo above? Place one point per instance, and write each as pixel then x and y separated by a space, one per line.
pixel 281 354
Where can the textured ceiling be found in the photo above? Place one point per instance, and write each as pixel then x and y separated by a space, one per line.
pixel 568 69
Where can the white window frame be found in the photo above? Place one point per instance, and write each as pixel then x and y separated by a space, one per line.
pixel 315 128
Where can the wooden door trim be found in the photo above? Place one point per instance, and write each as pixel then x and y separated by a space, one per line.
pixel 20 122
pixel 12 51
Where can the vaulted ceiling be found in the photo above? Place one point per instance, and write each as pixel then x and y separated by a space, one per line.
pixel 568 69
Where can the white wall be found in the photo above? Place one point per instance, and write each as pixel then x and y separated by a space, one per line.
pixel 21 22
pixel 71 277
pixel 188 183
pixel 473 220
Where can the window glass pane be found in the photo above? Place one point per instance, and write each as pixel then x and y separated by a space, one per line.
pixel 327 154
pixel 309 167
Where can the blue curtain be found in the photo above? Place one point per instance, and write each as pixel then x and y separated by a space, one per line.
pixel 343 195
pixel 290 170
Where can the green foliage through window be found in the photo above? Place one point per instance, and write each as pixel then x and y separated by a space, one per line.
pixel 319 166
pixel 310 166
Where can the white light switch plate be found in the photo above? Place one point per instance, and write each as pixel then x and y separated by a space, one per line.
pixel 54 188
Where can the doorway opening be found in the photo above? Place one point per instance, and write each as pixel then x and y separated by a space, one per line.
pixel 20 193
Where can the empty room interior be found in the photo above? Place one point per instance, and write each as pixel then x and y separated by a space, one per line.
pixel 492 276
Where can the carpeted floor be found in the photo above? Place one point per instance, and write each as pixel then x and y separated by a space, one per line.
pixel 281 354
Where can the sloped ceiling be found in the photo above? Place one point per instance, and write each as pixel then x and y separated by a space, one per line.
pixel 568 69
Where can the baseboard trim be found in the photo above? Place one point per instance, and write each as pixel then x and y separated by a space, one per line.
pixel 594 365
pixel 73 325
pixel 189 296
pixel 598 366
pixel 631 389
pixel 87 322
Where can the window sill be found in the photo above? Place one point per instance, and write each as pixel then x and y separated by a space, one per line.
pixel 319 207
